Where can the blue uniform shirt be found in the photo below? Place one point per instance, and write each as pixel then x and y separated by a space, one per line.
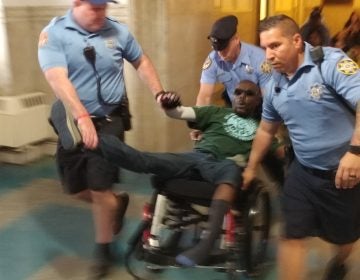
pixel 250 65
pixel 319 126
pixel 61 45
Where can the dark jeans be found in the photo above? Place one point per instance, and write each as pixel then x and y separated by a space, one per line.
pixel 190 165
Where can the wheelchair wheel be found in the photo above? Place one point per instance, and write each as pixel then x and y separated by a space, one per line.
pixel 257 227
pixel 135 262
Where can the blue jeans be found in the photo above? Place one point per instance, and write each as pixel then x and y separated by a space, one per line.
pixel 193 165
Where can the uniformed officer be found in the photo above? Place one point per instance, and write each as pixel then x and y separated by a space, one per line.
pixel 82 56
pixel 321 194
pixel 230 62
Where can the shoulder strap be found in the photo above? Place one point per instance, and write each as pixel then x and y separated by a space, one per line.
pixel 317 56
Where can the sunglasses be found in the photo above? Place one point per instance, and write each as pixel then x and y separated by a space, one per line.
pixel 247 92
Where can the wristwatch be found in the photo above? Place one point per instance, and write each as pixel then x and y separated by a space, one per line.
pixel 354 149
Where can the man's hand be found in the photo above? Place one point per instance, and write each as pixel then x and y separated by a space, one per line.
pixel 88 133
pixel 168 99
pixel 248 175
pixel 348 173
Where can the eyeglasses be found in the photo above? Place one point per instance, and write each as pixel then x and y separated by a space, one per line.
pixel 247 92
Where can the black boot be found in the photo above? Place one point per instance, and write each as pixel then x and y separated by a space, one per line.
pixel 102 262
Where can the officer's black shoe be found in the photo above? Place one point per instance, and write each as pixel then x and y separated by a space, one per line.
pixel 65 126
pixel 100 270
pixel 335 271
pixel 103 261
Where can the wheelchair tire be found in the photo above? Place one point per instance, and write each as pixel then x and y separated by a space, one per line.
pixel 257 228
pixel 135 264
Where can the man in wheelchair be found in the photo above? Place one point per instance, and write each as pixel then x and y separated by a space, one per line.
pixel 227 132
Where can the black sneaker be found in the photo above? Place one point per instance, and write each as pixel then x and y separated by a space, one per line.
pixel 65 126
pixel 335 271
pixel 123 202
pixel 100 269
pixel 104 259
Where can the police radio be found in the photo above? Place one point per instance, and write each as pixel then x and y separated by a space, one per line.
pixel 317 55
pixel 90 54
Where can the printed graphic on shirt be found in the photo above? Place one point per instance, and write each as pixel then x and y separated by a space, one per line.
pixel 316 91
pixel 266 67
pixel 240 128
pixel 347 66
pixel 207 63
pixel 43 39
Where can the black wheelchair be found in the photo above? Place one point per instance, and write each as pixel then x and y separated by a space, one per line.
pixel 175 217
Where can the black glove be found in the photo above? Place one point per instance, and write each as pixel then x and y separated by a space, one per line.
pixel 169 99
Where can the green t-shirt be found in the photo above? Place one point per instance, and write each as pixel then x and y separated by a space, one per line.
pixel 225 134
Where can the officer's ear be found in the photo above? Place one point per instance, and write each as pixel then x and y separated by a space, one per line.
pixel 298 41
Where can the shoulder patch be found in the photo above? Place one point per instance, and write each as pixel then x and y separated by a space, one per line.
pixel 266 67
pixel 43 39
pixel 207 63
pixel 347 66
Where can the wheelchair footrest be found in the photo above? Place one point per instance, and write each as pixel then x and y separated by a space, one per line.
pixel 163 258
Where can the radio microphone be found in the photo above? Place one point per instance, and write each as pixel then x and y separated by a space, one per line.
pixel 90 54
pixel 277 89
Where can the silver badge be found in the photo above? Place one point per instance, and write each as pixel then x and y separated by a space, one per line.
pixel 316 91
pixel 249 69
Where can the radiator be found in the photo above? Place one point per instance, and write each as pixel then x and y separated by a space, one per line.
pixel 23 119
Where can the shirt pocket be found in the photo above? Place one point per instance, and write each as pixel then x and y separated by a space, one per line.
pixel 224 77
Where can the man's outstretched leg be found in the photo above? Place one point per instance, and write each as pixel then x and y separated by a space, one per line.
pixel 220 205
pixel 166 165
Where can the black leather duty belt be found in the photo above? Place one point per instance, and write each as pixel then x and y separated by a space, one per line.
pixel 324 174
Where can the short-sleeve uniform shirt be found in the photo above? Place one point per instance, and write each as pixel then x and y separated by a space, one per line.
pixel 62 44
pixel 250 65
pixel 320 126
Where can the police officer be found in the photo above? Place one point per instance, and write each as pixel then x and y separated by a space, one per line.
pixel 230 62
pixel 321 194
pixel 82 56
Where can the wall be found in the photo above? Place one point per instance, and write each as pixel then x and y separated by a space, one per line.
pixel 335 12
pixel 172 32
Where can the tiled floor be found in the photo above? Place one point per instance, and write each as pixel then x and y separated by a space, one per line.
pixel 45 235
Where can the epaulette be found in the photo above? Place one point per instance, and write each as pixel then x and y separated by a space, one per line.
pixel 112 19
pixel 56 20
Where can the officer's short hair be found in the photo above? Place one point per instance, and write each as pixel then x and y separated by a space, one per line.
pixel 288 26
